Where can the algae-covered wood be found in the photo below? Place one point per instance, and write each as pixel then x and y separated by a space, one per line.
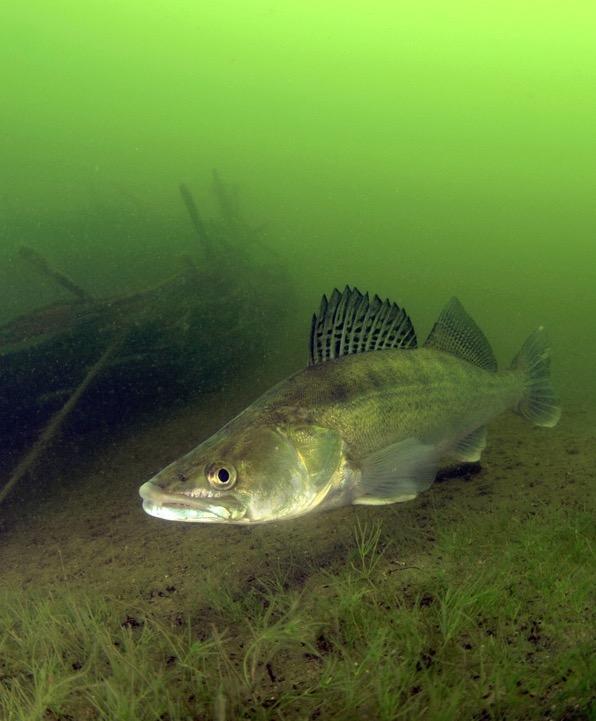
pixel 181 336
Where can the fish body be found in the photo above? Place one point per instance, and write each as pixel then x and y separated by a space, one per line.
pixel 367 422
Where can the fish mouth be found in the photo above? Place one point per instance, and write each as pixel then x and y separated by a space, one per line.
pixel 171 507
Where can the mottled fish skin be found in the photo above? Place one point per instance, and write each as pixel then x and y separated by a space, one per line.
pixel 357 426
pixel 375 399
pixel 370 400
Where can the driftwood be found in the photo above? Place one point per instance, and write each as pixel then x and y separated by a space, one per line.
pixel 195 217
pixel 42 265
pixel 184 333
pixel 28 462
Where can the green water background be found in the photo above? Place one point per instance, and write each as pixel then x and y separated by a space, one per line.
pixel 415 149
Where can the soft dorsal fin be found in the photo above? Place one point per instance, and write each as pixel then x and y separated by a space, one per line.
pixel 350 323
pixel 456 333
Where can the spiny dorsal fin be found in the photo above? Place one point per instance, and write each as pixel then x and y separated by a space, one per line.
pixel 456 333
pixel 350 323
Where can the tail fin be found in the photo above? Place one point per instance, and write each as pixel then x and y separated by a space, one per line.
pixel 540 403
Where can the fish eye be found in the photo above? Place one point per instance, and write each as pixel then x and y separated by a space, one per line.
pixel 221 476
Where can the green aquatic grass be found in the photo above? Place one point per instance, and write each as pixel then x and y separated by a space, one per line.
pixel 494 625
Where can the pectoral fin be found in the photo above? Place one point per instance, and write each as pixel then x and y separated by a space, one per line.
pixel 397 473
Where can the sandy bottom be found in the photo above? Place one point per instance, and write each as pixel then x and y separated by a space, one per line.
pixel 78 520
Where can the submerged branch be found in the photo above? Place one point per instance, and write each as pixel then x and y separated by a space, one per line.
pixel 53 427
pixel 195 217
pixel 42 266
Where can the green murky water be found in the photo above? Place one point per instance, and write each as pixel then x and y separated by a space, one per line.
pixel 414 149
pixel 417 150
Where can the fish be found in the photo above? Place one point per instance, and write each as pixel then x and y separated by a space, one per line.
pixel 368 421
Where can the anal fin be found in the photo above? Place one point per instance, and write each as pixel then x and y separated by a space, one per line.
pixel 373 501
pixel 470 447
pixel 397 473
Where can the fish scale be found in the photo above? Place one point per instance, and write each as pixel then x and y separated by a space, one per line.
pixel 423 391
pixel 366 422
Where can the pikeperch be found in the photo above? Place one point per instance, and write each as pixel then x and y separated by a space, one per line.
pixel 367 422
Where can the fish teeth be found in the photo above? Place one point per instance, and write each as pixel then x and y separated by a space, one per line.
pixel 202 493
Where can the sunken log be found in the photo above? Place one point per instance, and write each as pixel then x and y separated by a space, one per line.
pixel 210 322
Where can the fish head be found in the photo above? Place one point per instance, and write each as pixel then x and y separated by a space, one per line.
pixel 253 475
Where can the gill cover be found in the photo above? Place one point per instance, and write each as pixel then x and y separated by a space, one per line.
pixel 288 471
